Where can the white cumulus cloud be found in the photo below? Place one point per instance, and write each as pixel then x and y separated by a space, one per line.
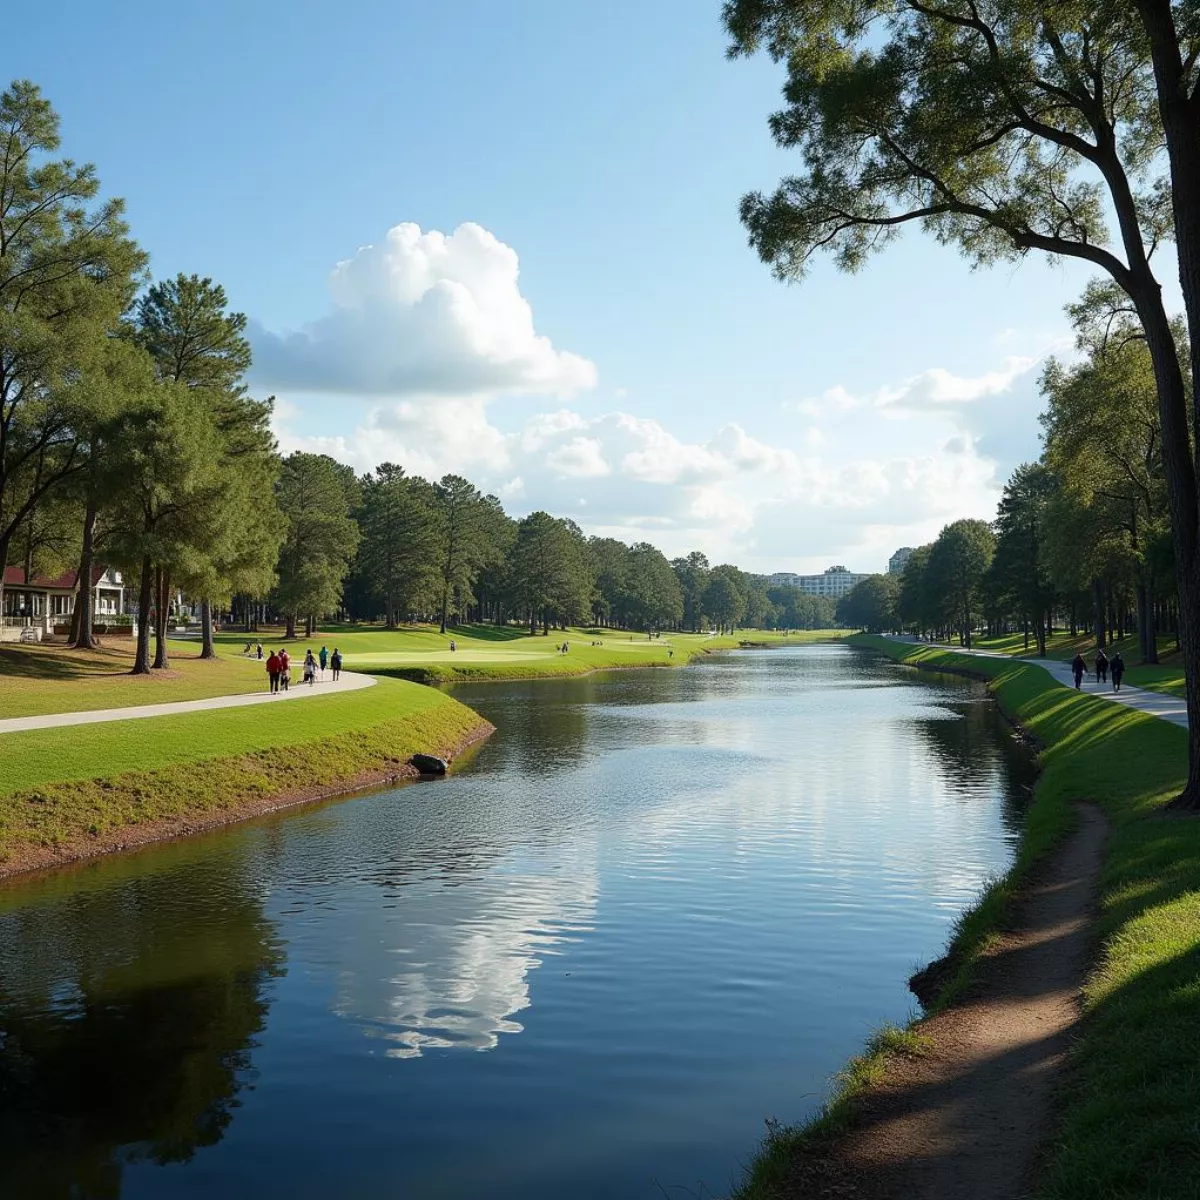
pixel 422 313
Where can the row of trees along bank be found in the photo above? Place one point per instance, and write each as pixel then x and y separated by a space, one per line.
pixel 129 437
pixel 1005 128
pixel 1081 538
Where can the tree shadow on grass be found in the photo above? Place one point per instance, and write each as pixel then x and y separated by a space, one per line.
pixel 59 664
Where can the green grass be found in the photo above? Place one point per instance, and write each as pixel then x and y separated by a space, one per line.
pixel 51 678
pixel 60 785
pixel 38 756
pixel 1165 676
pixel 1129 1108
pixel 484 652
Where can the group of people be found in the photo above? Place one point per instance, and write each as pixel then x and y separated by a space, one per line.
pixel 279 667
pixel 1105 668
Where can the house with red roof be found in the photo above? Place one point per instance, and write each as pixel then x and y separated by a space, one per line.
pixel 41 602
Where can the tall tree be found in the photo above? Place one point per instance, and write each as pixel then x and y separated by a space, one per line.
pixel 1005 126
pixel 68 268
pixel 1103 437
pixel 551 574
pixel 725 597
pixel 1020 562
pixel 399 554
pixel 915 607
pixel 465 536
pixel 870 604
pixel 164 459
pixel 957 565
pixel 315 498
pixel 185 325
pixel 692 573
pixel 610 566
pixel 655 598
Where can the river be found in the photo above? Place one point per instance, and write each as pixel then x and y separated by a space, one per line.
pixel 656 908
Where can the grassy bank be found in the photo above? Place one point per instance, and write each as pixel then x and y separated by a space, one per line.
pixel 1128 1116
pixel 71 791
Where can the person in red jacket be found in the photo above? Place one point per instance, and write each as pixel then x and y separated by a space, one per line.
pixel 285 670
pixel 274 670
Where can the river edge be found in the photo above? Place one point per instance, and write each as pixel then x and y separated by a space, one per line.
pixel 23 861
pixel 812 1159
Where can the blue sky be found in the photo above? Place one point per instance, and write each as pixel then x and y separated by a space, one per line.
pixel 644 373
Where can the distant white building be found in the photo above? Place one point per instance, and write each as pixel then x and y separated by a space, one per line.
pixel 899 560
pixel 834 582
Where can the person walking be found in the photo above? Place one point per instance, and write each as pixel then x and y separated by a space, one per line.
pixel 1101 667
pixel 1078 669
pixel 336 663
pixel 1117 670
pixel 285 670
pixel 260 651
pixel 310 668
pixel 324 657
pixel 273 671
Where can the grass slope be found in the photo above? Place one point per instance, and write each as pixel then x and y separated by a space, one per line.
pixel 1128 1118
pixel 60 785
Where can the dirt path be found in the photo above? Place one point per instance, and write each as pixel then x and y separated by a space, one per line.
pixel 967 1120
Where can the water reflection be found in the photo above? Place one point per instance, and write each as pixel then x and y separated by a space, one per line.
pixel 127 1023
pixel 455 963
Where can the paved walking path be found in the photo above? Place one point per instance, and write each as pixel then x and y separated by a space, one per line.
pixel 1157 704
pixel 350 681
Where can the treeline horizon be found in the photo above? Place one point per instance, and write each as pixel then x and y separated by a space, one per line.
pixel 398 548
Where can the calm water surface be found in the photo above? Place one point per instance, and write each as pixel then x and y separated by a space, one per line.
pixel 656 908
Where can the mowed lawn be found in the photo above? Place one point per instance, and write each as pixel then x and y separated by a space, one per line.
pixel 486 651
pixel 35 757
pixel 50 678
pixel 1166 676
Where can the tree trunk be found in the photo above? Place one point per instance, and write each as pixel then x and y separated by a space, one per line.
pixel 1098 626
pixel 162 581
pixel 1150 651
pixel 445 605
pixel 207 649
pixel 141 661
pixel 290 631
pixel 310 625
pixel 82 619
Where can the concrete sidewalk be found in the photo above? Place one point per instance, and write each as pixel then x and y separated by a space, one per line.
pixel 1156 704
pixel 350 681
